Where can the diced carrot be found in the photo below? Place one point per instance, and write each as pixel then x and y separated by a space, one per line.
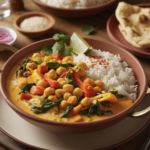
pixel 28 73
pixel 42 68
pixel 75 118
pixel 42 54
pixel 25 96
pixel 76 110
pixel 37 90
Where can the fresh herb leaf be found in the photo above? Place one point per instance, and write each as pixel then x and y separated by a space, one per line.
pixel 66 51
pixel 88 29
pixel 95 109
pixel 113 91
pixel 105 104
pixel 84 111
pixel 58 46
pixel 46 49
pixel 66 112
pixel 26 88
pixel 120 96
pixel 61 37
pixel 69 79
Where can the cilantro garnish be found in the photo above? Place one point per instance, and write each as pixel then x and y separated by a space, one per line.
pixel 88 29
pixel 46 49
pixel 61 37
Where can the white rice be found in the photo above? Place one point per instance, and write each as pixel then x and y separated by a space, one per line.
pixel 73 3
pixel 116 75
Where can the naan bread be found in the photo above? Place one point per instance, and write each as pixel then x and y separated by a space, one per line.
pixel 134 24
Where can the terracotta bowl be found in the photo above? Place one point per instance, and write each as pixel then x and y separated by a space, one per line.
pixel 75 13
pixel 76 127
pixel 33 34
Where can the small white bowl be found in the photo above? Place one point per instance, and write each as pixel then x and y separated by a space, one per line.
pixel 12 33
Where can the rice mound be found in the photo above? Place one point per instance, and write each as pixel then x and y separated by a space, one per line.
pixel 73 3
pixel 116 75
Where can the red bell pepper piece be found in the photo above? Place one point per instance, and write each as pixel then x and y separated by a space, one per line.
pixel 42 68
pixel 87 88
pixel 37 90
pixel 52 83
pixel 25 96
pixel 42 54
pixel 57 57
pixel 28 73
pixel 65 73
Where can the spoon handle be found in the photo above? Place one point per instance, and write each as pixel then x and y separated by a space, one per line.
pixel 145 144
pixel 8 47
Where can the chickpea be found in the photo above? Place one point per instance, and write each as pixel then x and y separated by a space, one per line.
pixel 31 65
pixel 72 100
pixel 67 95
pixel 59 93
pixel 100 83
pixel 62 82
pixel 89 81
pixel 22 81
pixel 61 70
pixel 82 65
pixel 97 89
pixel 86 102
pixel 42 83
pixel 81 72
pixel 71 62
pixel 53 98
pixel 67 58
pixel 68 88
pixel 49 91
pixel 36 55
pixel 52 74
pixel 63 105
pixel 47 58
pixel 77 92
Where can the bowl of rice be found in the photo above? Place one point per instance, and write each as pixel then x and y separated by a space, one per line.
pixel 124 72
pixel 74 8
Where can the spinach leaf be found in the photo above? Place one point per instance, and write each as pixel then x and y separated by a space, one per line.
pixel 53 65
pixel 46 49
pixel 95 109
pixel 45 107
pixel 66 112
pixel 109 112
pixel 113 91
pixel 26 88
pixel 23 69
pixel 67 65
pixel 105 104
pixel 88 29
pixel 84 111
pixel 69 79
pixel 120 96
pixel 79 100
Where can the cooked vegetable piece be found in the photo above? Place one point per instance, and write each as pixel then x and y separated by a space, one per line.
pixel 22 81
pixel 76 110
pixel 37 90
pixel 25 96
pixel 59 93
pixel 61 70
pixel 42 68
pixel 95 109
pixel 52 83
pixel 28 73
pixel 84 111
pixel 72 100
pixel 120 96
pixel 49 91
pixel 31 65
pixel 52 74
pixel 105 104
pixel 53 98
pixel 75 118
pixel 46 49
pixel 105 97
pixel 63 105
pixel 35 55
pixel 113 91
pixel 68 88
pixel 109 112
pixel 77 92
pixel 42 83
pixel 89 81
pixel 86 102
pixel 66 112
pixel 26 88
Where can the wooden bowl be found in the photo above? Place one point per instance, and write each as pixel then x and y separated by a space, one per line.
pixel 80 127
pixel 33 34
pixel 75 13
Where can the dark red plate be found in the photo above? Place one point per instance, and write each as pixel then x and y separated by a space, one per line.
pixel 116 36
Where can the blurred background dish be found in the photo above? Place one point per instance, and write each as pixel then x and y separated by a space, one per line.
pixel 7 35
pixel 117 37
pixel 73 12
pixel 29 29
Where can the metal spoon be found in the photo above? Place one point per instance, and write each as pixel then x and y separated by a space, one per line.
pixel 7 47
pixel 145 144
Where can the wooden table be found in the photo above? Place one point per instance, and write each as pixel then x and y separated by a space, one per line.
pixel 67 26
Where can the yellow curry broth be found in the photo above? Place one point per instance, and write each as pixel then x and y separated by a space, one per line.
pixel 53 114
